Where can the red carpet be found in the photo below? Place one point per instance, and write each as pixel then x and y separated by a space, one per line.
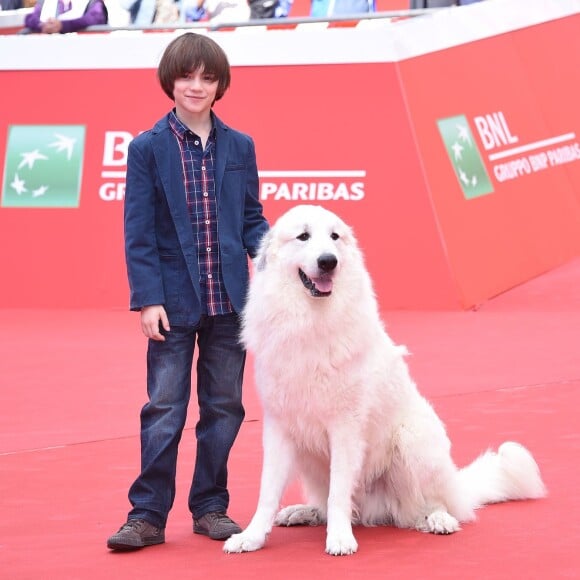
pixel 73 384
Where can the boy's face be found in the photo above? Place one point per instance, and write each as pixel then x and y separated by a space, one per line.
pixel 194 93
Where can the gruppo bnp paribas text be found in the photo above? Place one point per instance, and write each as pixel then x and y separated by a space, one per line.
pixel 292 185
pixel 513 158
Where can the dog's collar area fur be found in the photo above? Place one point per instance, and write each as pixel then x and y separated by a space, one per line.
pixel 311 286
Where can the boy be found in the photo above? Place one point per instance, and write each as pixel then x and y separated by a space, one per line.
pixel 192 217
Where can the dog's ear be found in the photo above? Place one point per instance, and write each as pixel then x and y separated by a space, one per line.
pixel 260 260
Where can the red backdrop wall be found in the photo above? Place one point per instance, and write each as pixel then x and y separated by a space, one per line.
pixel 427 244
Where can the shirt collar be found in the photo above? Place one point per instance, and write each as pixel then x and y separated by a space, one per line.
pixel 181 130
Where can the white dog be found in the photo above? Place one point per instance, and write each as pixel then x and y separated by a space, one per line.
pixel 340 408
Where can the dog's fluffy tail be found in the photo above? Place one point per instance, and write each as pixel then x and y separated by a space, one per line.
pixel 510 474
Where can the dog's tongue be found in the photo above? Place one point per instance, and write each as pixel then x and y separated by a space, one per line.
pixel 323 284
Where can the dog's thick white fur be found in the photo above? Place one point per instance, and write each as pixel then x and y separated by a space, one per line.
pixel 340 409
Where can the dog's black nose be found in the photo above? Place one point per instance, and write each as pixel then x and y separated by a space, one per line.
pixel 327 262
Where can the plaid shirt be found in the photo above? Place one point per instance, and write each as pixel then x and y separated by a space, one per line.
pixel 198 172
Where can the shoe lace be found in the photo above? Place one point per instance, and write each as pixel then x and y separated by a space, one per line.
pixel 133 525
pixel 220 518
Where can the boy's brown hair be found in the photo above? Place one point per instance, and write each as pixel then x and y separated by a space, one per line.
pixel 190 52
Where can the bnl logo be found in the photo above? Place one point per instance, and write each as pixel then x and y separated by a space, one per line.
pixel 465 156
pixel 43 166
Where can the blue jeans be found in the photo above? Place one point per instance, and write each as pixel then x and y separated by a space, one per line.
pixel 220 368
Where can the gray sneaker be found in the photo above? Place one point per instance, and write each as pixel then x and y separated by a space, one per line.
pixel 135 534
pixel 216 525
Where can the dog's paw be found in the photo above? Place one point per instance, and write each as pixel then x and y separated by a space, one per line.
pixel 243 542
pixel 440 522
pixel 341 544
pixel 299 515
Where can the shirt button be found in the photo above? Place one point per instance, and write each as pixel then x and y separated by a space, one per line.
pixel 209 276
pixel 205 194
pixel 196 142
pixel 203 167
pixel 208 249
pixel 207 222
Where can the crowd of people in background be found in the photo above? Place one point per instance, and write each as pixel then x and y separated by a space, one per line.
pixel 415 4
pixel 62 16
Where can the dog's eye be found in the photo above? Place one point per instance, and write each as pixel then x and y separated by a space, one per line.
pixel 303 237
pixel 334 236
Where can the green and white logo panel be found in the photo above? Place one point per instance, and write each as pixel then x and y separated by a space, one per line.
pixel 43 166
pixel 465 156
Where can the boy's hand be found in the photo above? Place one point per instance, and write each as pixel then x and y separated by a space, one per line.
pixel 151 319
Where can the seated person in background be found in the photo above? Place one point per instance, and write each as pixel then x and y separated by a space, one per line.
pixel 227 10
pixel 62 16
pixel 322 8
pixel 145 12
pixel 216 11
pixel 269 8
pixel 440 3
pixel 11 4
